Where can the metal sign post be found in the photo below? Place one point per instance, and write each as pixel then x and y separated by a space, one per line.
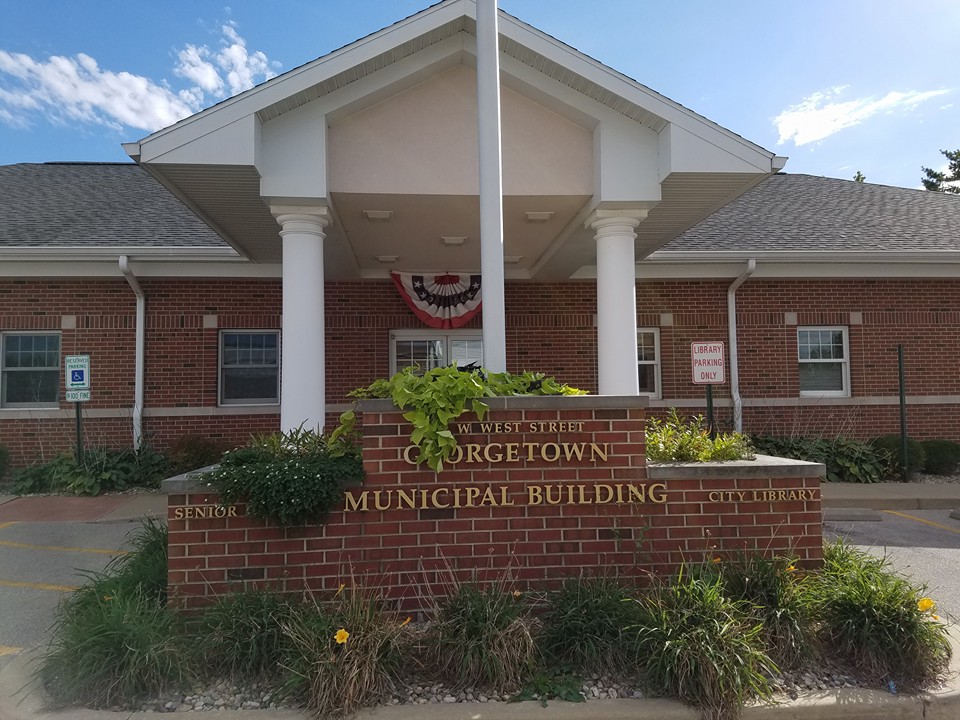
pixel 709 368
pixel 77 381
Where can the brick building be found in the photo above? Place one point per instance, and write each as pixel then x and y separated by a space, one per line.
pixel 257 238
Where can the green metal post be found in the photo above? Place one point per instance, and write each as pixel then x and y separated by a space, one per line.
pixel 711 425
pixel 79 434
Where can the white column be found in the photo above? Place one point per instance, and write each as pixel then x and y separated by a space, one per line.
pixel 491 187
pixel 616 300
pixel 303 369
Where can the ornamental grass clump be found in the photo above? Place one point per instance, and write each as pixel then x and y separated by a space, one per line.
pixel 241 635
pixel 696 644
pixel 876 621
pixel 115 640
pixel 481 637
pixel 342 655
pixel 582 625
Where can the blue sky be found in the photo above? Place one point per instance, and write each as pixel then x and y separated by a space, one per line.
pixel 837 86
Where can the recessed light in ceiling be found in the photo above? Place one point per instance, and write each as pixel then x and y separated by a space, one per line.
pixel 512 259
pixel 453 240
pixel 537 217
pixel 378 215
pixel 387 258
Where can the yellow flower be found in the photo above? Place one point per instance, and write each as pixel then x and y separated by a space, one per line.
pixel 791 568
pixel 517 593
pixel 935 617
pixel 925 604
pixel 407 621
pixel 341 636
pixel 717 560
pixel 340 589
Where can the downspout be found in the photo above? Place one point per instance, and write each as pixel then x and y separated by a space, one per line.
pixel 138 352
pixel 732 330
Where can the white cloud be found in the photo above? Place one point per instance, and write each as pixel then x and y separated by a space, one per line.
pixel 75 89
pixel 823 113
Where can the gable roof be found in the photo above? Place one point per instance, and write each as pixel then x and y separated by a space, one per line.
pixel 806 213
pixel 95 205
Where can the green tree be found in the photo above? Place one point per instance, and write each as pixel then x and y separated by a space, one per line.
pixel 859 177
pixel 939 181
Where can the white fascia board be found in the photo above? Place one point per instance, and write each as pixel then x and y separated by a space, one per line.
pixel 629 89
pixel 806 256
pixel 306 76
pixel 139 252
pixel 92 269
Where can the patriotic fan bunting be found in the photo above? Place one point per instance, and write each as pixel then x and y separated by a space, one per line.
pixel 441 301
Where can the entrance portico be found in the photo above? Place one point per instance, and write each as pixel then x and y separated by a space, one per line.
pixel 365 161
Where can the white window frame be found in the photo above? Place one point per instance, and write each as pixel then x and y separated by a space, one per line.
pixel 4 370
pixel 420 334
pixel 658 375
pixel 844 363
pixel 220 368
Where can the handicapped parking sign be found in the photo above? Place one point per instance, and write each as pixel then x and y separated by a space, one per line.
pixel 77 372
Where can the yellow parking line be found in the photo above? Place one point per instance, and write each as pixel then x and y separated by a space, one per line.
pixel 931 523
pixel 6 524
pixel 57 548
pixel 7 650
pixel 38 586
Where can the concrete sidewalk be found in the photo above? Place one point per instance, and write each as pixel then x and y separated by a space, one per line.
pixel 22 699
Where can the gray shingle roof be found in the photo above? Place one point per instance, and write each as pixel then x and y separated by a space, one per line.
pixel 809 213
pixel 84 205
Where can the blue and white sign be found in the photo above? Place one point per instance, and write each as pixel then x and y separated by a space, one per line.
pixel 76 372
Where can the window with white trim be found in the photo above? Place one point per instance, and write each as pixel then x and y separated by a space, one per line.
pixel 29 370
pixel 249 367
pixel 648 361
pixel 824 361
pixel 428 349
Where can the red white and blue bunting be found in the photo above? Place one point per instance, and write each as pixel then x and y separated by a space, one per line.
pixel 441 301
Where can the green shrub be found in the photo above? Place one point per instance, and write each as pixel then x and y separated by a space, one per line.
pixel 115 640
pixel 101 471
pixel 876 621
pixel 772 591
pixel 941 457
pixel 583 622
pixel 845 460
pixel 890 447
pixel 341 656
pixel 290 478
pixel 241 635
pixel 677 440
pixel 699 646
pixel 481 637
pixel 192 452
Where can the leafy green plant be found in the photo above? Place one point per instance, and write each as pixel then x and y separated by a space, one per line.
pixel 890 446
pixel 772 592
pixel 678 440
pixel 700 646
pixel 241 635
pixel 941 457
pixel 101 471
pixel 192 452
pixel 4 462
pixel 342 655
pixel 551 684
pixel 481 637
pixel 876 621
pixel 582 625
pixel 845 460
pixel 288 477
pixel 439 396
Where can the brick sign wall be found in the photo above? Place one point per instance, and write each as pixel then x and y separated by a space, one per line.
pixel 543 488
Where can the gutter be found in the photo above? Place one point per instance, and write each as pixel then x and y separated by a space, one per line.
pixel 139 351
pixel 732 332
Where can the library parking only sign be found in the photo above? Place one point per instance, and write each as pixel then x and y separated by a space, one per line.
pixel 708 363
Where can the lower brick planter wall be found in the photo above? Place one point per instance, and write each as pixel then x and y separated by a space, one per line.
pixel 543 488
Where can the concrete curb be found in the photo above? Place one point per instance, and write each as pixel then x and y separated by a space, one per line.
pixel 851 515
pixel 22 699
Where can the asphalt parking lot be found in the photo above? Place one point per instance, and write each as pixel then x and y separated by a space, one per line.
pixel 39 563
